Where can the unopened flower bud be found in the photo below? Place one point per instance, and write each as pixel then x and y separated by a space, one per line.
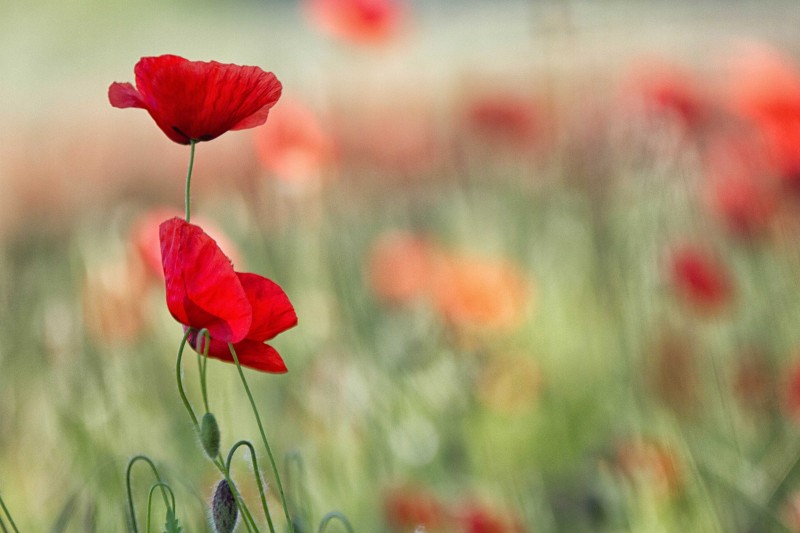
pixel 209 435
pixel 223 508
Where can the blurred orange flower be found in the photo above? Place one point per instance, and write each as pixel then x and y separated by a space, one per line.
pixel 650 463
pixel 476 293
pixel 293 145
pixel 359 21
pixel 401 267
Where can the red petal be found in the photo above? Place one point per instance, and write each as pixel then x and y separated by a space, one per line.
pixel 203 291
pixel 124 95
pixel 273 313
pixel 251 354
pixel 196 100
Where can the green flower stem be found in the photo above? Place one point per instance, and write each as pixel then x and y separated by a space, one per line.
pixel 202 364
pixel 187 200
pixel 257 474
pixel 8 515
pixel 178 372
pixel 295 486
pixel 334 515
pixel 263 438
pixel 153 488
pixel 3 525
pixel 219 464
pixel 131 507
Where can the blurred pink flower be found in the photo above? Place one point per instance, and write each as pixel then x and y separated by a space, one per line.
pixel 293 145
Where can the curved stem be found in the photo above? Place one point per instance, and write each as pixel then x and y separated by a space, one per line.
pixel 8 515
pixel 187 200
pixel 163 486
pixel 263 438
pixel 178 372
pixel 335 515
pixel 257 473
pixel 131 507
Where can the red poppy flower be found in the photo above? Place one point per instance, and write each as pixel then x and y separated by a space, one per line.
pixel 700 279
pixel 362 21
pixel 197 100
pixel 203 291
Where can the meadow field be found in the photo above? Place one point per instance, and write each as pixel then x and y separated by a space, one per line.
pixel 544 258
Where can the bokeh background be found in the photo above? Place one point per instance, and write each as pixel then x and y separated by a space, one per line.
pixel 544 257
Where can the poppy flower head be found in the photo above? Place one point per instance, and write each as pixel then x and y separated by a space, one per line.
pixel 198 100
pixel 203 291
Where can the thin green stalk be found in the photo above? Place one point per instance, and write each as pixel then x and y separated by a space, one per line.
pixel 187 200
pixel 334 515
pixel 298 495
pixel 202 364
pixel 8 515
pixel 257 473
pixel 178 372
pixel 163 486
pixel 131 507
pixel 263 438
pixel 3 525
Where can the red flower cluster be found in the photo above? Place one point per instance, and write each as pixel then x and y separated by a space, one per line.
pixel 203 291
pixel 197 100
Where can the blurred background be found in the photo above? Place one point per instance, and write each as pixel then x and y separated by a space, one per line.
pixel 544 257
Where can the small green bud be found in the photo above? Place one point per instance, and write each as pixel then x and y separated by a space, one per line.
pixel 223 508
pixel 209 435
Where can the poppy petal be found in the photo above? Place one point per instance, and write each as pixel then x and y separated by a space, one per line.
pixel 251 354
pixel 199 101
pixel 123 95
pixel 203 291
pixel 273 313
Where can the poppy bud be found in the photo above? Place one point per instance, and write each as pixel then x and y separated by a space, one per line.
pixel 223 508
pixel 209 435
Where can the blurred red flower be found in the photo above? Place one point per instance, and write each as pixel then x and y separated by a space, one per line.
pixel 360 21
pixel 765 91
pixel 505 118
pixel 667 89
pixel 409 507
pixel 203 291
pixel 474 518
pixel 700 279
pixel 198 100
pixel 741 187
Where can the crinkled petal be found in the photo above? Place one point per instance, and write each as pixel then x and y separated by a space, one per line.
pixel 273 313
pixel 197 100
pixel 251 354
pixel 203 291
